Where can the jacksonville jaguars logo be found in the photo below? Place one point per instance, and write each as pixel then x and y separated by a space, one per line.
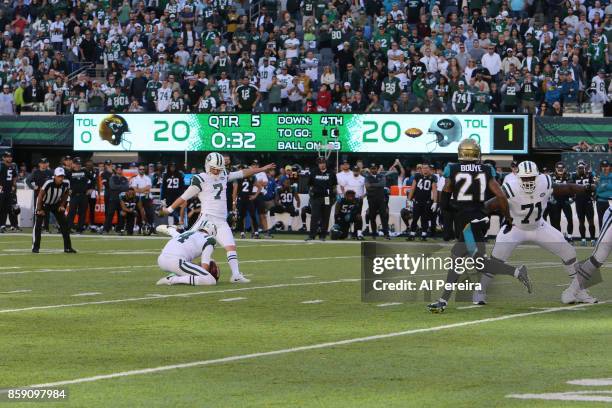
pixel 112 129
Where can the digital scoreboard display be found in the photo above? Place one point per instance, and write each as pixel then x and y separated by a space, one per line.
pixel 359 133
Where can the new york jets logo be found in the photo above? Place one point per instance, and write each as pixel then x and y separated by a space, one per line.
pixel 446 124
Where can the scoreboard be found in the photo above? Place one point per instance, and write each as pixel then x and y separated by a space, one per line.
pixel 359 133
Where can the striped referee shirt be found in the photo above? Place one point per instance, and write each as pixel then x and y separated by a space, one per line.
pixel 53 193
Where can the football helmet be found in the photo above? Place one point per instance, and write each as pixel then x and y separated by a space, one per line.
pixel 468 150
pixel 114 129
pixel 445 131
pixel 203 225
pixel 214 160
pixel 336 232
pixel 527 173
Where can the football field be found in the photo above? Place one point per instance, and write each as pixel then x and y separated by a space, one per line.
pixel 298 335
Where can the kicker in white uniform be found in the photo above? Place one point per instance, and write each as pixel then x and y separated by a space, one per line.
pixel 210 188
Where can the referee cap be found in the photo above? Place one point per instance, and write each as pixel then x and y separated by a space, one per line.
pixel 59 171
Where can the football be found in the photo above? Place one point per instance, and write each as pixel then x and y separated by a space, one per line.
pixel 413 132
pixel 214 270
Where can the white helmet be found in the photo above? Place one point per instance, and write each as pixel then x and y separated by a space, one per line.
pixel 528 169
pixel 214 160
pixel 204 225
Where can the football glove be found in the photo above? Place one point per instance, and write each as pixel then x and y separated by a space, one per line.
pixel 410 205
pixel 507 225
pixel 434 207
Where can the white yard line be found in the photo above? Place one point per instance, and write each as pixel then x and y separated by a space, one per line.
pixel 232 299
pixel 318 346
pixel 16 291
pixel 187 294
pixel 389 304
pixel 312 302
pixel 469 307
pixel 87 294
pixel 305 277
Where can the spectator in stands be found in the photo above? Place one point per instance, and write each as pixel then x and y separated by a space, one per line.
pixel 7 103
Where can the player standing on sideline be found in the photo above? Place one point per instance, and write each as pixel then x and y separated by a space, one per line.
pixel 173 185
pixel 562 204
pixel 209 187
pixel 8 186
pixel 375 184
pixel 37 179
pixel 80 185
pixel 178 255
pixel 92 194
pixel 464 193
pixel 586 268
pixel 246 204
pixel 424 193
pixel 322 184
pixel 604 191
pixel 52 198
pixel 584 202
pixel 528 196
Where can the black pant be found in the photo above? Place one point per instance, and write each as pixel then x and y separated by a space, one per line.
pixel 585 211
pixel 127 222
pixel 555 216
pixel 5 206
pixel 280 209
pixel 61 220
pixel 245 206
pixel 378 206
pixel 320 216
pixel 92 210
pixel 147 205
pixel 78 205
pixel 422 211
pixel 114 206
pixel 602 206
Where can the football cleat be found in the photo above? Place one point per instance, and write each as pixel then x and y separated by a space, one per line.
pixel 242 235
pixel 583 296
pixel 593 242
pixel 303 229
pixel 437 307
pixel 70 251
pixel 239 279
pixel 165 280
pixel 568 296
pixel 523 277
pixel 165 229
pixel 583 242
pixel 35 250
pixel 479 298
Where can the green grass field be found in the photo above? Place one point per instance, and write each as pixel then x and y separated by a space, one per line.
pixel 297 336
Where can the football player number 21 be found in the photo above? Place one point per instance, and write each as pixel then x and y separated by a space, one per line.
pixel 510 129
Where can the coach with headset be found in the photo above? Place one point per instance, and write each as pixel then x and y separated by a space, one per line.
pixel 322 185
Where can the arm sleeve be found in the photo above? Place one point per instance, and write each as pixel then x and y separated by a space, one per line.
pixel 207 253
pixel 235 175
pixel 191 192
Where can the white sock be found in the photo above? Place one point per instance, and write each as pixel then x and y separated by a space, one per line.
pixel 232 260
pixel 192 280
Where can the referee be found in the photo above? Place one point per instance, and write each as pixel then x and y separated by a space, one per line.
pixel 322 184
pixel 52 198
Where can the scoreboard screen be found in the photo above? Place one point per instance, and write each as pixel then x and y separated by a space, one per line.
pixel 358 133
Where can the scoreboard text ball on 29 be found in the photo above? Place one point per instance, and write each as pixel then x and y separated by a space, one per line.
pixel 358 133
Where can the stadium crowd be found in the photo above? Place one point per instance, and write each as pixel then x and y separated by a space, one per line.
pixel 537 56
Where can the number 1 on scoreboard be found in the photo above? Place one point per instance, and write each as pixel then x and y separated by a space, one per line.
pixel 510 128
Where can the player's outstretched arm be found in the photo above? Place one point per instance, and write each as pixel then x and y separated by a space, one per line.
pixel 254 170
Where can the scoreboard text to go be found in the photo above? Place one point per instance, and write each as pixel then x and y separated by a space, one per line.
pixel 367 133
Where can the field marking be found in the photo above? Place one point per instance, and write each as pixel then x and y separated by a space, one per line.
pixel 232 299
pixel 16 291
pixel 184 294
pixel 47 270
pixel 298 349
pixel 591 382
pixel 87 294
pixel 120 271
pixel 469 307
pixel 567 396
pixel 305 277
pixel 312 302
pixel 389 304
